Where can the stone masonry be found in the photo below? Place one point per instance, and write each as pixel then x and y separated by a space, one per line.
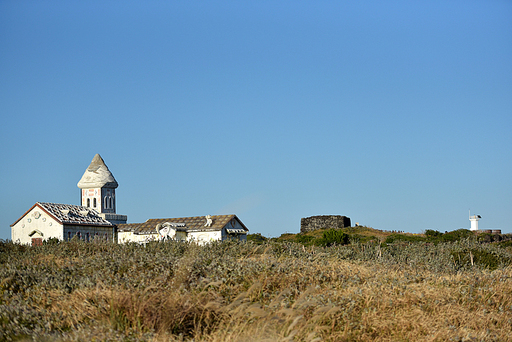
pixel 308 224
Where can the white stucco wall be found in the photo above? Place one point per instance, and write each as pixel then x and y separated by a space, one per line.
pixel 202 237
pixel 36 219
pixel 125 237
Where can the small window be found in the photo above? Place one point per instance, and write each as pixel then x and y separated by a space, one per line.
pixel 88 202
pixel 87 236
pixel 94 202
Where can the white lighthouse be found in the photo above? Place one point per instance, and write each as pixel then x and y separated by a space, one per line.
pixel 474 221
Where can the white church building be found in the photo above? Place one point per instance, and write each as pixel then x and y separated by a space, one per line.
pixel 96 218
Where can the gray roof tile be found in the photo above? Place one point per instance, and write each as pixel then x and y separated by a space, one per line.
pixel 191 223
pixel 74 214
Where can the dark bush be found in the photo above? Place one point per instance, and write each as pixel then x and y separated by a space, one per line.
pixel 51 241
pixel 432 233
pixel 334 237
pixel 456 235
pixel 304 239
pixel 479 257
pixel 256 238
pixel 358 238
pixel 505 243
pixel 403 238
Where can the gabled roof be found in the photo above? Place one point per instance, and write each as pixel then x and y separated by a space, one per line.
pixel 97 175
pixel 70 214
pixel 196 223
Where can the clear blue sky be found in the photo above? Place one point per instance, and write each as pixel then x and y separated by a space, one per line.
pixel 397 114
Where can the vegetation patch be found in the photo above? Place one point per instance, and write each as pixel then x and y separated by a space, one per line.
pixel 334 237
pixel 341 290
pixel 256 238
pixel 404 238
pixel 489 259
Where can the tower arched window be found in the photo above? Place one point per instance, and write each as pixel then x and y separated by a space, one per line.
pixel 88 202
pixel 94 202
pixel 105 202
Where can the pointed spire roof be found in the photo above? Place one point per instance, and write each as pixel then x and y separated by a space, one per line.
pixel 97 175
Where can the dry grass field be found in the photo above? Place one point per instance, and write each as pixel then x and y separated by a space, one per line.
pixel 458 291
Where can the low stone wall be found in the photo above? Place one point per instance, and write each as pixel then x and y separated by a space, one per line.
pixel 308 224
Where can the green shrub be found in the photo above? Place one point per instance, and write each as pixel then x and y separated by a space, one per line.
pixel 358 238
pixel 456 235
pixel 478 257
pixel 51 241
pixel 333 237
pixel 403 238
pixel 432 233
pixel 505 243
pixel 304 239
pixel 256 238
pixel 486 237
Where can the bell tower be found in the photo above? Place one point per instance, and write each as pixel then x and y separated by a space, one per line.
pixel 98 190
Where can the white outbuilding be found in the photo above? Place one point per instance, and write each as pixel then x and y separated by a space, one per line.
pixel 200 229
